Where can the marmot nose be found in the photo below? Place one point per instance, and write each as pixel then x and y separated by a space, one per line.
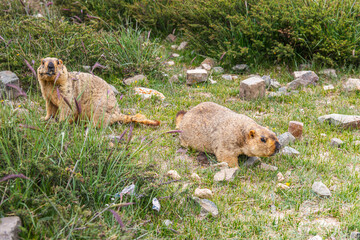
pixel 51 66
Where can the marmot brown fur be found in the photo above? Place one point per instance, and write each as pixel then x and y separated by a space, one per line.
pixel 75 96
pixel 209 127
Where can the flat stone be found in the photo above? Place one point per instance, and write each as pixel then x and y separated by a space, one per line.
pixel 329 72
pixel 226 77
pixel 296 129
pixel 268 167
pixel 175 55
pixel 252 88
pixel 285 139
pixel 320 189
pixel 303 78
pixel 206 66
pixel 147 93
pixel 344 121
pixel 289 151
pixel 196 76
pixel 328 87
pixel 135 79
pixel 218 70
pixel 173 174
pixel 182 45
pixel 240 67
pixel 207 206
pixel 226 174
pixel 9 228
pixel 251 161
pixel 8 77
pixel 355 235
pixel 209 61
pixel 171 38
pixel 336 142
pixel 352 84
pixel 203 193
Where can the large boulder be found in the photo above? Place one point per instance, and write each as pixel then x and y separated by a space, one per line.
pixel 303 78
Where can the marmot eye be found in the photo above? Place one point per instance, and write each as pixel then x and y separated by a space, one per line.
pixel 263 139
pixel 43 62
pixel 58 62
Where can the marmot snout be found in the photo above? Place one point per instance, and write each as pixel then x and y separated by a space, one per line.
pixel 209 127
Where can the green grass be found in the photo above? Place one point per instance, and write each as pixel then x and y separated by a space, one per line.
pixel 74 174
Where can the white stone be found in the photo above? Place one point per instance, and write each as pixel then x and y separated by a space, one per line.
pixel 321 189
pixel 352 84
pixel 218 70
pixel 207 206
pixel 148 93
pixel 336 142
pixel 344 121
pixel 240 67
pixel 175 55
pixel 135 79
pixel 170 63
pixel 167 222
pixel 206 66
pixel 226 174
pixel 328 87
pixel 203 193
pixel 252 88
pixel 182 45
pixel 268 167
pixel 174 46
pixel 289 151
pixel 195 177
pixel 173 174
pixel 196 76
pixel 9 228
pixel 226 77
pixel 280 177
pixel 8 77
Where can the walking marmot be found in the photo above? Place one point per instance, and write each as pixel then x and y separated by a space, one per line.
pixel 209 127
pixel 75 96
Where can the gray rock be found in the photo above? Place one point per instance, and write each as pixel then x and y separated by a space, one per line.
pixel 86 68
pixel 320 189
pixel 336 142
pixel 286 138
pixel 268 167
pixel 275 94
pixel 207 206
pixel 196 76
pixel 282 90
pixel 8 77
pixel 208 63
pixel 251 161
pixel 218 70
pixel 267 80
pixel 226 174
pixel 226 77
pixel 344 121
pixel 182 46
pixel 352 84
pixel 134 79
pixel 167 222
pixel 114 89
pixel 328 87
pixel 355 235
pixel 240 68
pixel 303 78
pixel 329 72
pixel 206 66
pixel 252 88
pixel 271 83
pixel 171 38
pixel 289 151
pixel 9 228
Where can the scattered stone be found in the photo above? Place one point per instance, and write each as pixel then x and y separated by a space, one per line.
pixel 352 84
pixel 171 38
pixel 296 129
pixel 356 143
pixel 234 77
pixel 336 142
pixel 289 151
pixel 170 63
pixel 207 206
pixel 86 68
pixel 156 204
pixel 344 121
pixel 280 177
pixel 328 87
pixel 10 228
pixel 285 139
pixel 268 167
pixel 174 47
pixel 174 79
pixel 252 88
pixel 355 235
pixel 226 174
pixel 271 83
pixel 218 70
pixel 203 193
pixel 8 77
pixel 275 94
pixel 173 174
pixel 175 55
pixel 251 161
pixel 209 62
pixel 240 68
pixel 221 165
pixel 282 186
pixel 182 45
pixel 282 90
pixel 206 66
pixel 317 237
pixel 135 79
pixel 167 222
pixel 195 177
pixel 196 76
pixel 303 78
pixel 148 93
pixel 226 77
pixel 212 81
pixel 321 189
pixel 329 72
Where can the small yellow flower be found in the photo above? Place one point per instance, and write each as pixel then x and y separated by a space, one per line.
pixel 135 81
pixel 160 56
pixel 19 106
pixel 287 184
pixel 2 101
pixel 17 54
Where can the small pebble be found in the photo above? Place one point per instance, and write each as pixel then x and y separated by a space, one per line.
pixel 280 177
pixel 268 167
pixel 195 177
pixel 173 174
pixel 203 193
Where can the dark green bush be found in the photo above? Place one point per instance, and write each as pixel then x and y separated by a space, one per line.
pixel 265 30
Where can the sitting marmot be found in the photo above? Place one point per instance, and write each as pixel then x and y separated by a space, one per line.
pixel 75 96
pixel 212 128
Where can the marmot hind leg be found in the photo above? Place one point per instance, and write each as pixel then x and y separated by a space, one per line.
pixel 179 117
pixel 138 118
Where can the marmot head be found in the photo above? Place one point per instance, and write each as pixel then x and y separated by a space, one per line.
pixel 261 142
pixel 50 68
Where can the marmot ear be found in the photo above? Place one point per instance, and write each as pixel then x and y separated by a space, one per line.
pixel 60 62
pixel 252 133
pixel 41 61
